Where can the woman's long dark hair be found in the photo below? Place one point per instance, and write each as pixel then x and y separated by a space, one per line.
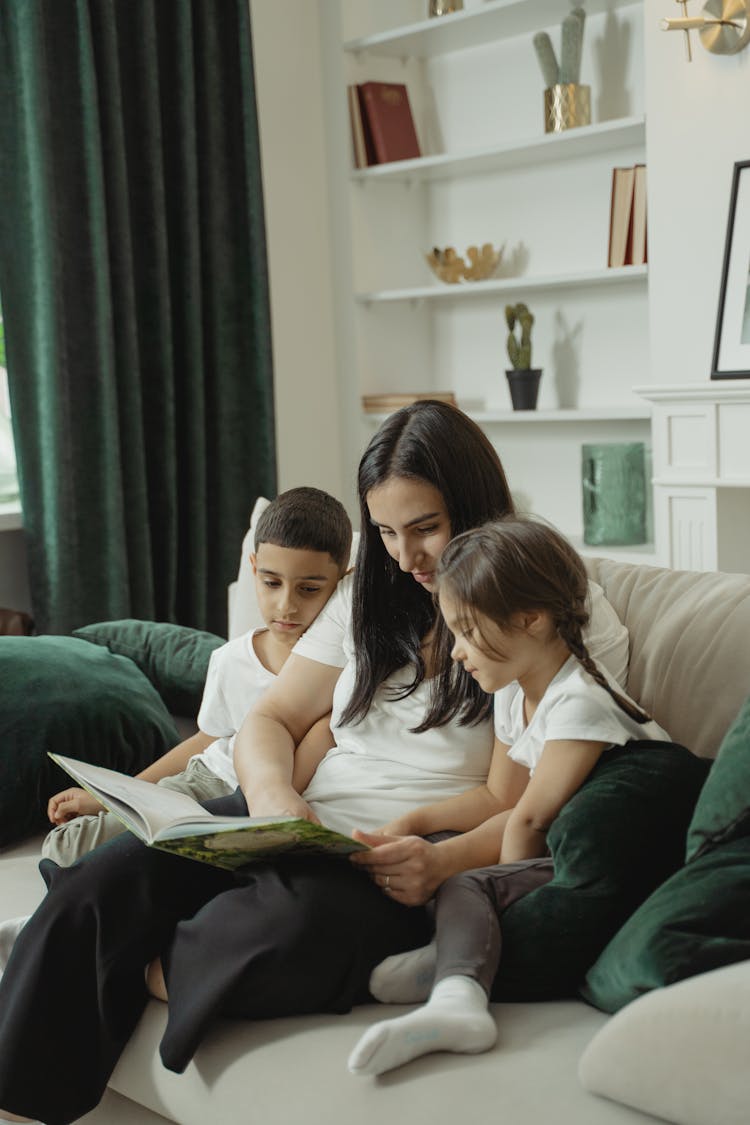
pixel 517 564
pixel 436 443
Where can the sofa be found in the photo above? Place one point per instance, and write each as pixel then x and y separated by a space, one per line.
pixel 677 1050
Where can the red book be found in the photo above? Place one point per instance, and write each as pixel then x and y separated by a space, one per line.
pixel 370 157
pixel 386 110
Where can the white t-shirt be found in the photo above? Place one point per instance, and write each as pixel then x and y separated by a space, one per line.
pixel 234 681
pixel 378 768
pixel 574 706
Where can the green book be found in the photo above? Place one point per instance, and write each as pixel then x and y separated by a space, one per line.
pixel 175 822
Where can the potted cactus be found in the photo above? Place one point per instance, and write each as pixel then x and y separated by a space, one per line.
pixel 523 379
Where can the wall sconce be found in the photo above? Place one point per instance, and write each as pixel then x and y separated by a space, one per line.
pixel 723 26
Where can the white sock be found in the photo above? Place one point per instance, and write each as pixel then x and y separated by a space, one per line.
pixel 9 931
pixel 405 978
pixel 454 1019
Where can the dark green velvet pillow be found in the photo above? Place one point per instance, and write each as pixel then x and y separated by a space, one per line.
pixel 697 920
pixel 80 700
pixel 174 657
pixel 723 809
pixel 618 837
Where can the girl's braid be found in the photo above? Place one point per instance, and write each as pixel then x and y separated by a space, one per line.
pixel 570 630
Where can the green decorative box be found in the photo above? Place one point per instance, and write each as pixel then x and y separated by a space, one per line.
pixel 613 477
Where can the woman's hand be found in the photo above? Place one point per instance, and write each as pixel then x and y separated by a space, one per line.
pixel 71 803
pixel 407 868
pixel 281 800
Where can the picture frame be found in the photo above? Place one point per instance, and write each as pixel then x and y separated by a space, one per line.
pixel 731 354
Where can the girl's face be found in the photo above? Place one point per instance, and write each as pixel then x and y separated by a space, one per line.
pixel 412 519
pixel 495 657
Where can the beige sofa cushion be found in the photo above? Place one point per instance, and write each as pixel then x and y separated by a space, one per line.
pixel 679 1052
pixel 689 646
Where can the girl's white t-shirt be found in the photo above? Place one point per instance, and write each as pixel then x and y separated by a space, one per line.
pixel 234 681
pixel 574 706
pixel 379 769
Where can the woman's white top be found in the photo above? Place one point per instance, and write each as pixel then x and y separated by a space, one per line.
pixel 379 769
pixel 574 706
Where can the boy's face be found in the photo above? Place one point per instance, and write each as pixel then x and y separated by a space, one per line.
pixel 292 586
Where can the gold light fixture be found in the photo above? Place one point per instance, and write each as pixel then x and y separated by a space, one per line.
pixel 723 26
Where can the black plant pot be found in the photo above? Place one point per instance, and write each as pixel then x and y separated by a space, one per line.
pixel 524 387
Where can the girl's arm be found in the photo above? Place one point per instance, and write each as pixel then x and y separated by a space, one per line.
pixel 301 694
pixel 415 867
pixel 563 767
pixel 176 759
pixel 505 783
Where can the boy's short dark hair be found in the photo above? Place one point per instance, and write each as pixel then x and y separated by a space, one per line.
pixel 307 519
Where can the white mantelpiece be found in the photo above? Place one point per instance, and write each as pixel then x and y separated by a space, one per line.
pixel 701 459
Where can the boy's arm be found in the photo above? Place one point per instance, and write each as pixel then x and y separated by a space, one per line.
pixel 72 802
pixel 311 752
pixel 176 759
pixel 564 766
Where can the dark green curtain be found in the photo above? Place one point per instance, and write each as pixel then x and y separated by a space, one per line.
pixel 135 297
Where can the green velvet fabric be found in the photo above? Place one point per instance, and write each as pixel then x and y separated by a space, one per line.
pixel 618 837
pixel 135 300
pixel 174 657
pixel 80 700
pixel 723 809
pixel 696 921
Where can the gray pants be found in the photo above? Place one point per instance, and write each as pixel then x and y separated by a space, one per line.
pixel 68 842
pixel 467 916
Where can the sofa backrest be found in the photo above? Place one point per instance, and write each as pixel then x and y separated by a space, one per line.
pixel 689 646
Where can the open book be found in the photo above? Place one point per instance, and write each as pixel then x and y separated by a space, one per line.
pixel 174 822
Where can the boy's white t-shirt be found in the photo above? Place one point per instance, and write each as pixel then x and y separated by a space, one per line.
pixel 574 706
pixel 379 769
pixel 234 681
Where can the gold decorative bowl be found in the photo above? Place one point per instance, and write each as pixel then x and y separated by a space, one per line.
pixel 451 267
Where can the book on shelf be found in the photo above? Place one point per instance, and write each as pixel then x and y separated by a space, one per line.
pixel 175 822
pixel 620 215
pixel 361 141
pixel 385 403
pixel 386 114
pixel 637 252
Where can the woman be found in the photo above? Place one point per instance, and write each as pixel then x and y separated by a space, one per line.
pixel 294 936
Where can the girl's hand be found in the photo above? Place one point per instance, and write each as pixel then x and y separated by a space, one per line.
pixel 71 803
pixel 281 800
pixel 407 868
pixel 401 826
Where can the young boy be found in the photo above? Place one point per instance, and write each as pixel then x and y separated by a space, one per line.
pixel 302 545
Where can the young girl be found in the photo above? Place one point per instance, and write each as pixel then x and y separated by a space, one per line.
pixel 514 595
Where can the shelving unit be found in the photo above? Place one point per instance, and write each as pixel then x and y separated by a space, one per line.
pixel 490 174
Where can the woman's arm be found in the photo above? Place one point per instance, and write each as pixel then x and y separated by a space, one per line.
pixel 301 694
pixel 311 752
pixel 562 769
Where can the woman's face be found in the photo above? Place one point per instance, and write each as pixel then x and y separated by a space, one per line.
pixel 413 523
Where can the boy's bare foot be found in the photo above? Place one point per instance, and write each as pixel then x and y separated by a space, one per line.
pixel 155 982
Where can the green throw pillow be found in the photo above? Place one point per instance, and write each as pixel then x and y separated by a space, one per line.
pixel 174 657
pixel 723 809
pixel 617 838
pixel 61 694
pixel 698 920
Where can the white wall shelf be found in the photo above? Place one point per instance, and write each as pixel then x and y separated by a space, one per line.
pixel 478 289
pixel 494 20
pixel 635 413
pixel 572 144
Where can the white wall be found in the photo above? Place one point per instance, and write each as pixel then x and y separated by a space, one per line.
pixel 698 127
pixel 288 73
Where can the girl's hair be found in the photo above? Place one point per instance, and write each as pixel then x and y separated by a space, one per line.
pixel 436 443
pixel 515 565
